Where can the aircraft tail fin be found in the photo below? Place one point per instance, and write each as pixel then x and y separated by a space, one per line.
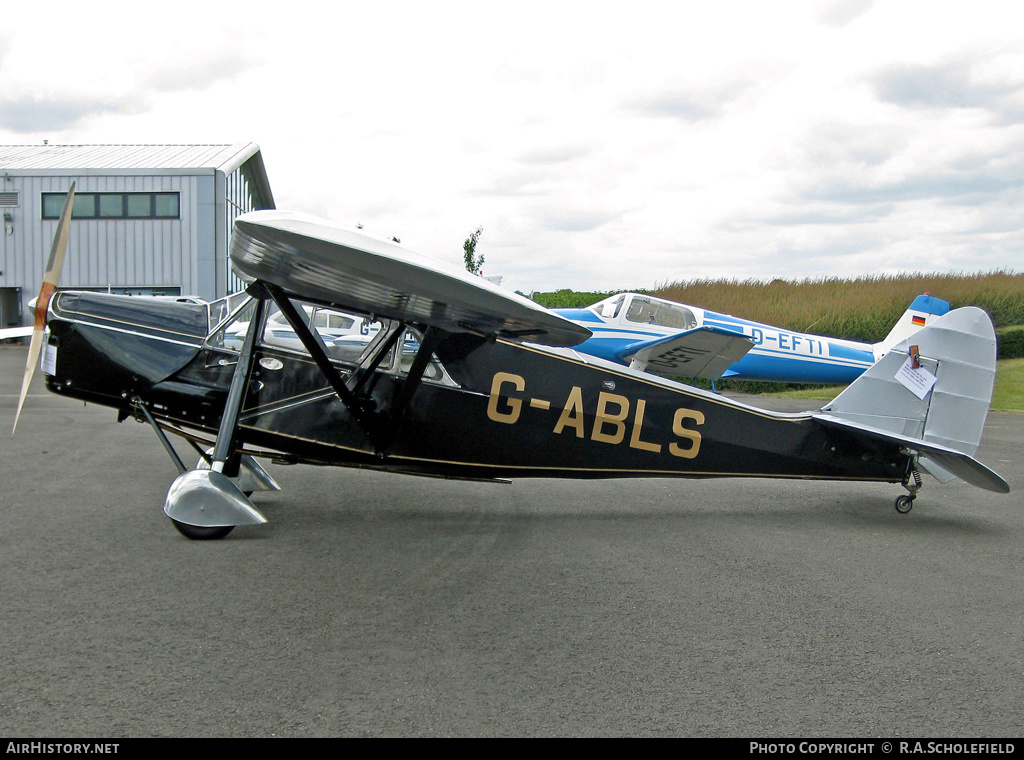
pixel 936 408
pixel 924 310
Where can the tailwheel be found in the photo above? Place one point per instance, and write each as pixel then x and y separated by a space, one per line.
pixel 201 533
pixel 904 503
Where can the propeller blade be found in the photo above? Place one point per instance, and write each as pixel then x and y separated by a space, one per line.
pixel 51 278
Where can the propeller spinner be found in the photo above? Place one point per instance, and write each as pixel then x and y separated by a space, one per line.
pixel 51 278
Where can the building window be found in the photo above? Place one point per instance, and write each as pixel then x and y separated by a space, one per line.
pixel 115 206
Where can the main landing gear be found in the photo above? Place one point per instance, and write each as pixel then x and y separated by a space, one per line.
pixel 201 533
pixel 206 504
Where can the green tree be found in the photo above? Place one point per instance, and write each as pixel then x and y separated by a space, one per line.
pixel 474 263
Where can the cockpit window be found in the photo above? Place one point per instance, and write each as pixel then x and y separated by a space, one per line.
pixel 651 311
pixel 435 371
pixel 346 336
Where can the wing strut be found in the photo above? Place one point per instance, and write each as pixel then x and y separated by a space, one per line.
pixel 431 337
pixel 380 429
pixel 224 448
pixel 314 344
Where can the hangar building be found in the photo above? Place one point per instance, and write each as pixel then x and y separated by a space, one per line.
pixel 147 219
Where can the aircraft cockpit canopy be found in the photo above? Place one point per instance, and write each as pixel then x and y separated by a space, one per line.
pixel 647 310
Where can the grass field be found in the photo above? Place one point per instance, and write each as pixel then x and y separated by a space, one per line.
pixel 858 309
pixel 863 308
pixel 1008 395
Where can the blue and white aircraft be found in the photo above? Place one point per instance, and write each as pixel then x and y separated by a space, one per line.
pixel 670 338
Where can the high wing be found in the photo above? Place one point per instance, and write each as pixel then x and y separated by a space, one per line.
pixel 309 257
pixel 704 352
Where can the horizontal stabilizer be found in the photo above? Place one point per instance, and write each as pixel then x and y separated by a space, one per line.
pixel 310 258
pixel 704 352
pixel 963 466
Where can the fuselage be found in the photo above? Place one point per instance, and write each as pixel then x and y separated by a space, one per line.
pixel 622 321
pixel 485 409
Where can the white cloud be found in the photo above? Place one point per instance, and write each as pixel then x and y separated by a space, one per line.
pixel 599 146
pixel 841 12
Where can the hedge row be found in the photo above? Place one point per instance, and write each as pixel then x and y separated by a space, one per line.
pixel 1011 342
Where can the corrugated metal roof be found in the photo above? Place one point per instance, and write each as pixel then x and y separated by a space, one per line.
pixel 227 158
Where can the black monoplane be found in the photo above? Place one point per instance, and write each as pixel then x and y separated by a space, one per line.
pixel 345 350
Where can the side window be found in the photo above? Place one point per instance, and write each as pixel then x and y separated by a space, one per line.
pixel 640 311
pixel 676 316
pixel 346 336
pixel 435 371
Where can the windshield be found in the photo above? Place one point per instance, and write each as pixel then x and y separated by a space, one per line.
pixel 609 307
pixel 223 307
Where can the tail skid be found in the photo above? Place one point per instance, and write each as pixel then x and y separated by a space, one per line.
pixel 936 409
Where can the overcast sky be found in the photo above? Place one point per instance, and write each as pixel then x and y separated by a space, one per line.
pixel 599 145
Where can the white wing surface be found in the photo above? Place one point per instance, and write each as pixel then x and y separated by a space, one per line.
pixel 309 257
pixel 704 352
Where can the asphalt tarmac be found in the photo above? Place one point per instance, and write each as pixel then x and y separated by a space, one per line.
pixel 387 605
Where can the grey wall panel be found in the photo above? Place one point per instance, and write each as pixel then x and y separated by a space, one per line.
pixel 189 253
pixel 205 254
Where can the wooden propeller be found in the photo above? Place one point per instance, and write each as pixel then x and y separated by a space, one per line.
pixel 51 278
